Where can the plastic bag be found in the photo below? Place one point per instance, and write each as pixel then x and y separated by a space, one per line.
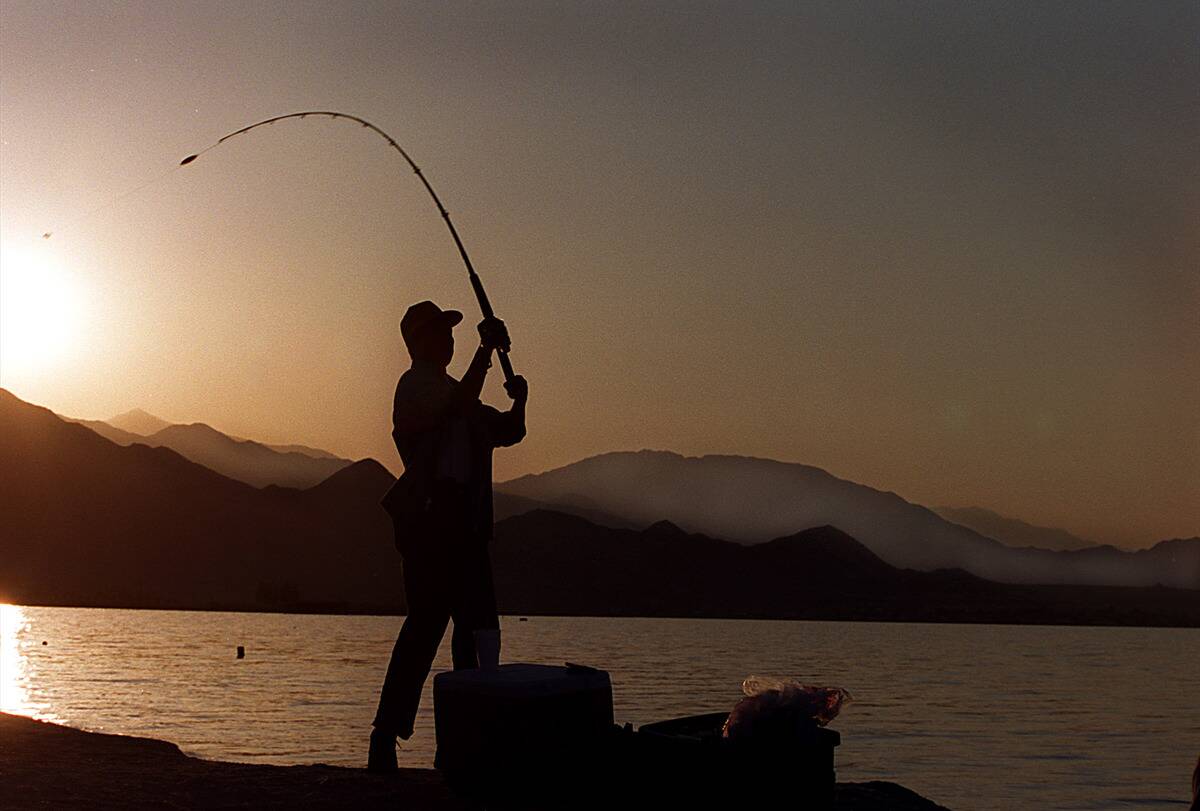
pixel 776 709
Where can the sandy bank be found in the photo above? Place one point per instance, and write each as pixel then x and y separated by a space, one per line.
pixel 49 766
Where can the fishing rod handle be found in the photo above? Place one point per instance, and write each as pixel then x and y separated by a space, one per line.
pixel 485 307
pixel 506 365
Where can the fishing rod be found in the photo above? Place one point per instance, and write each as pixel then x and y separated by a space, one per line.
pixel 485 306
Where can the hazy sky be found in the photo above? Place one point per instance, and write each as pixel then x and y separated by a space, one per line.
pixel 944 249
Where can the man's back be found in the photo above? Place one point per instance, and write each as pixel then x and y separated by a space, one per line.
pixel 451 443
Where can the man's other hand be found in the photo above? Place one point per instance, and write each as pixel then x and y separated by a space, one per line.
pixel 517 388
pixel 494 335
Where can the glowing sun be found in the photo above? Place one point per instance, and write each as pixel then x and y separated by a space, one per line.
pixel 41 313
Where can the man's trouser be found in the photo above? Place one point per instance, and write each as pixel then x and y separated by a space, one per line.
pixel 445 578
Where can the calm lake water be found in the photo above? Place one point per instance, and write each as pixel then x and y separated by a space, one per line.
pixel 974 717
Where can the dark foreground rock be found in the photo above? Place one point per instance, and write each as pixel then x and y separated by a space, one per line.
pixel 49 766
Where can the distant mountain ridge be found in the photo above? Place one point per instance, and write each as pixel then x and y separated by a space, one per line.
pixel 84 521
pixel 551 562
pixel 137 421
pixel 248 461
pixel 245 460
pixel 305 450
pixel 1012 531
pixel 753 500
pixel 110 432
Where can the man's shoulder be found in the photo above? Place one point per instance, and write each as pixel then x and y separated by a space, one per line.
pixel 418 383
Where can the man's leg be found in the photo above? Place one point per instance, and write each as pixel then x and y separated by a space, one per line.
pixel 416 646
pixel 474 611
pixel 462 644
pixel 484 588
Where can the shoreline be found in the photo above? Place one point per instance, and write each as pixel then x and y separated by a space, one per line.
pixel 377 611
pixel 49 765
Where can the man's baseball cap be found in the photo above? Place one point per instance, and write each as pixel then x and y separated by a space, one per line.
pixel 423 315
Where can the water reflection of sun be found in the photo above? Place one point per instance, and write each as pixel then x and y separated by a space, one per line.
pixel 13 694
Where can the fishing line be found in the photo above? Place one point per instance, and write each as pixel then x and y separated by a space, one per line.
pixel 118 199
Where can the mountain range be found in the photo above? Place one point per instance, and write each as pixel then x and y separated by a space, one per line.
pixel 1012 531
pixel 85 521
pixel 754 500
pixel 245 460
pixel 551 562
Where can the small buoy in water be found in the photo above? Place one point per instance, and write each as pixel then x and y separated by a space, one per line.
pixel 44 642
pixel 241 652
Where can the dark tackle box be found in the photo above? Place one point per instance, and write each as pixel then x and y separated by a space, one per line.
pixel 517 723
pixel 686 761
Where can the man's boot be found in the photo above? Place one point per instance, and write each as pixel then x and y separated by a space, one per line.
pixel 382 756
pixel 487 647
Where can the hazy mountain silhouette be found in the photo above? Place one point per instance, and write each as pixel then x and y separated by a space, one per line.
pixel 753 500
pixel 84 521
pixel 110 432
pixel 506 505
pixel 137 421
pixel 315 453
pixel 141 423
pixel 245 460
pixel 551 562
pixel 242 459
pixel 1011 531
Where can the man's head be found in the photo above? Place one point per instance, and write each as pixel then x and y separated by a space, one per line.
pixel 428 332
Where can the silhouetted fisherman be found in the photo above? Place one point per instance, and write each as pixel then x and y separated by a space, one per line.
pixel 441 508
